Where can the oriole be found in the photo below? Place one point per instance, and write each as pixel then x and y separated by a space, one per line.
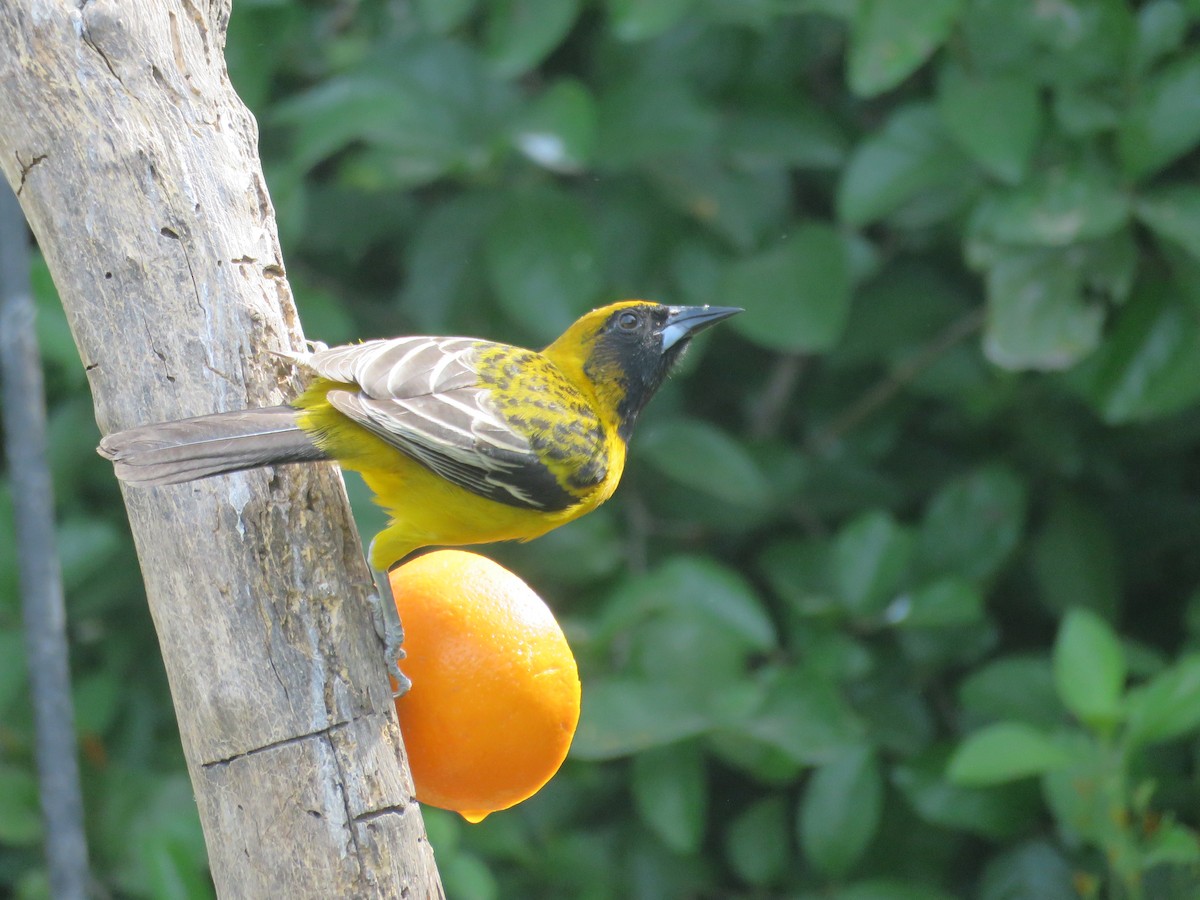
pixel 462 441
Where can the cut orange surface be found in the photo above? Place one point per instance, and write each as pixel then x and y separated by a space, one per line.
pixel 495 690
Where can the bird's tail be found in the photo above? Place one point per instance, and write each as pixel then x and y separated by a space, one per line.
pixel 188 449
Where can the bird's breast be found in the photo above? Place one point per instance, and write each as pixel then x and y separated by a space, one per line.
pixel 558 418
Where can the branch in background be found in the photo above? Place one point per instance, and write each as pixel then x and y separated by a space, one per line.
pixel 770 405
pixel 895 381
pixel 24 412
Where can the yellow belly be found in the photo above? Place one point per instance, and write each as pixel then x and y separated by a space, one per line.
pixel 424 508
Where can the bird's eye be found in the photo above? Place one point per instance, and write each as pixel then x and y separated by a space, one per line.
pixel 627 321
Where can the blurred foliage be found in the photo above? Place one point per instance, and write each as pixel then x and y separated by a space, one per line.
pixel 900 597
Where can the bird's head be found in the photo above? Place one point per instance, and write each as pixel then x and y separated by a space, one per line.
pixel 627 349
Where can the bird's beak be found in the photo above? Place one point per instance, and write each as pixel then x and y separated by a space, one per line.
pixel 685 321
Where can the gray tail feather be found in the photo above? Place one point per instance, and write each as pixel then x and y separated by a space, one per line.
pixel 188 449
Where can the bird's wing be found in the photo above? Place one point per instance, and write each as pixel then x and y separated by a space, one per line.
pixel 426 397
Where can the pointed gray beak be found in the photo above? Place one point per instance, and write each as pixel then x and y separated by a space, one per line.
pixel 685 321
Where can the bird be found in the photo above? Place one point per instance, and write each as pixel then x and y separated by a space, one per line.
pixel 461 440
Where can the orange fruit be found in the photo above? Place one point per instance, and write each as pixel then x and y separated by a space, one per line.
pixel 495 691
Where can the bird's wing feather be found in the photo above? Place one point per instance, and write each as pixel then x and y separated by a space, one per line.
pixel 399 368
pixel 425 397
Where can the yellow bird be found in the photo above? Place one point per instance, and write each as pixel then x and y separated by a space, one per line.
pixel 462 441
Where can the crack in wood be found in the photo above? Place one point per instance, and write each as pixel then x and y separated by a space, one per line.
pixel 320 734
pixel 85 34
pixel 26 168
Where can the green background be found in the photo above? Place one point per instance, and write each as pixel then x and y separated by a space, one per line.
pixel 900 596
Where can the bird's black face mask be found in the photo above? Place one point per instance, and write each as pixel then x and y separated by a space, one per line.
pixel 640 344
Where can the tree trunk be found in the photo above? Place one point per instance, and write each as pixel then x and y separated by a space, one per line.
pixel 136 165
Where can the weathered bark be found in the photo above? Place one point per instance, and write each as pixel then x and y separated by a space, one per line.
pixel 136 165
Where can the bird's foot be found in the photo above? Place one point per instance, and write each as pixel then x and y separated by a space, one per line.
pixel 387 623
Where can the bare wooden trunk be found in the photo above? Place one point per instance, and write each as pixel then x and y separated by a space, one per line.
pixel 136 165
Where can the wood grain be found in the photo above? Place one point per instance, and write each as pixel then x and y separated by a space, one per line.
pixel 136 165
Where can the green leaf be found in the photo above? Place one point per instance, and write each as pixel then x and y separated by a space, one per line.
pixel 803 716
pixel 650 118
pixel 443 16
pixel 445 830
pixel 695 588
pixel 890 889
pixel 1082 41
pixel 20 815
pixel 639 20
pixel 1172 844
pixel 704 458
pixel 171 869
pixel 933 649
pixel 558 132
pixel 995 118
pixel 12 666
pixel 1056 208
pixel 840 810
pixel 756 843
pixel 670 791
pixel 890 39
pixel 1110 265
pixel 783 129
pixel 621 717
pixel 1083 110
pixel 746 754
pixel 898 718
pixel 944 602
pixel 520 33
pixel 999 35
pixel 343 106
pixel 796 294
pixel 973 523
pixel 10 591
pixel 1149 365
pixel 743 207
pixel 910 157
pixel 97 698
pixel 1080 795
pixel 167 843
pixel 85 546
pixel 1163 121
pixel 419 109
pixel 800 571
pixel 1037 315
pixel 700 585
pixel 322 313
pixel 1173 212
pixel 442 260
pixel 1015 687
pixel 34 884
pixel 1033 869
pixel 467 876
pixel 1162 26
pixel 542 260
pixel 1075 559
pixel 1168 706
pixel 992 812
pixel 1089 669
pixel 894 314
pixel 1004 752
pixel 870 560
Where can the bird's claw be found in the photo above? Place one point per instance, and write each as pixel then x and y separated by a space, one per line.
pixel 390 630
pixel 402 682
pixel 392 634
